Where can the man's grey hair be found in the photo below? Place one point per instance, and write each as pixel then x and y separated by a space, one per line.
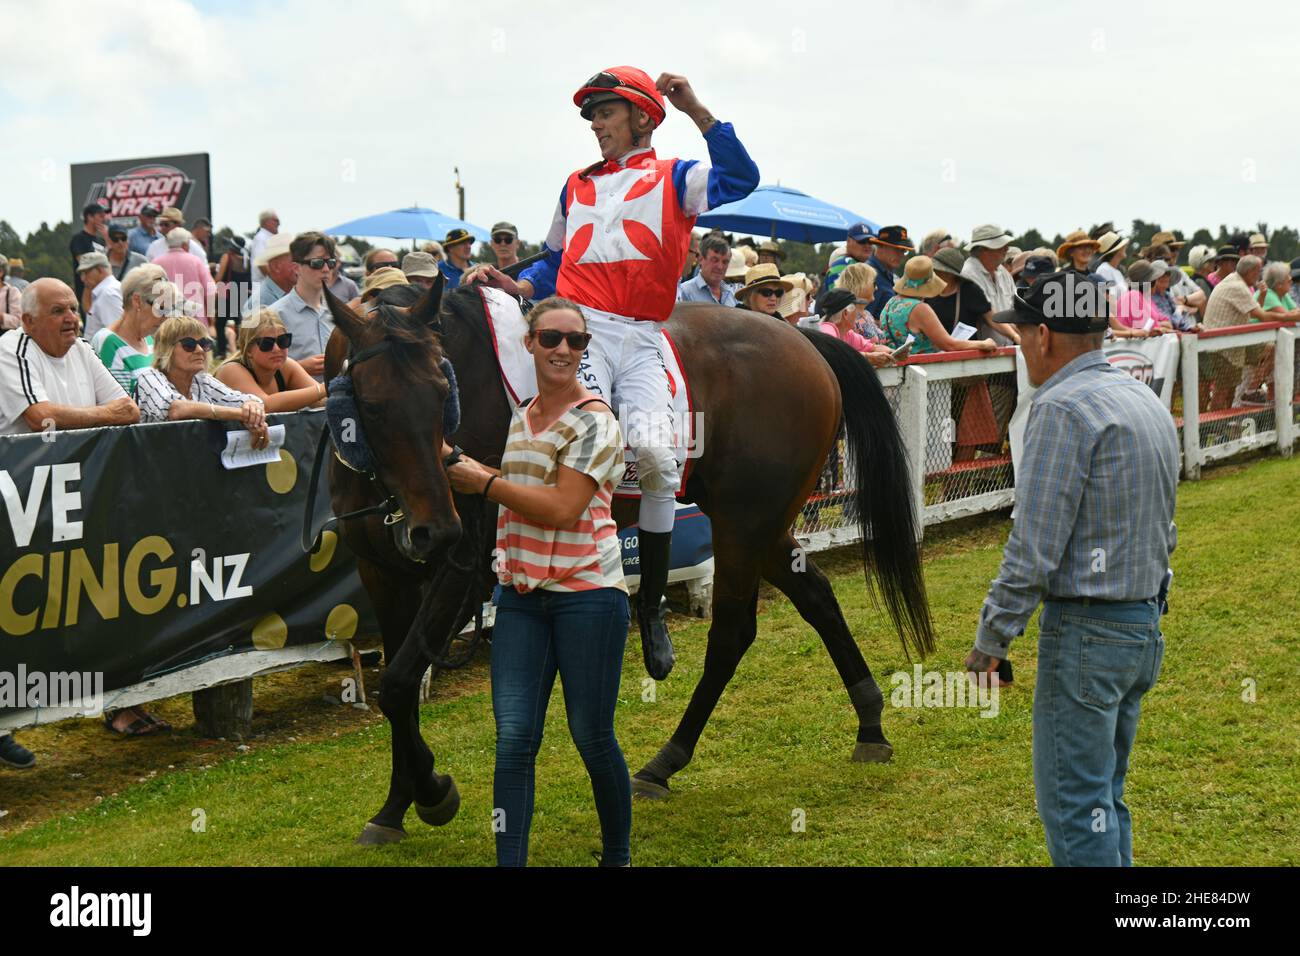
pixel 1248 264
pixel 714 243
pixel 1276 273
pixel 179 238
pixel 266 214
pixel 31 299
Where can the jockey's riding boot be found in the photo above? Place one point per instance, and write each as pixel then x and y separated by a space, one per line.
pixel 656 645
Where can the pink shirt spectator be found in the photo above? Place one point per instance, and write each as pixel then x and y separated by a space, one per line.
pixel 849 338
pixel 1136 311
pixel 191 275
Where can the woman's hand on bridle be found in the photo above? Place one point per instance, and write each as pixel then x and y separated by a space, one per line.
pixel 468 476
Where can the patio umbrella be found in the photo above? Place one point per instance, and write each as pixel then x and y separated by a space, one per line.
pixel 414 222
pixel 780 212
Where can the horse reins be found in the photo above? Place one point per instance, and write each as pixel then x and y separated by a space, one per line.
pixel 389 506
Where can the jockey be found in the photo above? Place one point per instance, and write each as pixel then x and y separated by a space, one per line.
pixel 616 247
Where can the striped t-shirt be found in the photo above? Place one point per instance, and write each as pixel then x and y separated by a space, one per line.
pixel 587 556
pixel 120 358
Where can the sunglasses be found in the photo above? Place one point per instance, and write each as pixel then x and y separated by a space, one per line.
pixel 768 290
pixel 319 263
pixel 550 338
pixel 503 239
pixel 268 342
pixel 189 343
pixel 376 266
pixel 120 237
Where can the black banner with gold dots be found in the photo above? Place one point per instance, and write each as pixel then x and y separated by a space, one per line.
pixel 133 552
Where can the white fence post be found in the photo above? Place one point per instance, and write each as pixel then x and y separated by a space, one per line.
pixel 1283 389
pixel 1191 375
pixel 911 422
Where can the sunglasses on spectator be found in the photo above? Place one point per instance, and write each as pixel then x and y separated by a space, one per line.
pixel 117 237
pixel 189 343
pixel 503 238
pixel 319 263
pixel 768 290
pixel 380 265
pixel 268 342
pixel 550 338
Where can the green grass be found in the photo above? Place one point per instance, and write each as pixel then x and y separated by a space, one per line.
pixel 1214 779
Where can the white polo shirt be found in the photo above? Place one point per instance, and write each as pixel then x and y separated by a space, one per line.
pixel 29 376
pixel 105 306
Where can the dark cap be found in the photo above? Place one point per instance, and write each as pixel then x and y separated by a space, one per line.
pixel 92 209
pixel 1035 268
pixel 148 210
pixel 895 236
pixel 1064 301
pixel 837 300
pixel 1227 252
pixel 859 232
pixel 457 236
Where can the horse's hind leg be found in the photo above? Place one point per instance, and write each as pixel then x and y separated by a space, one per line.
pixel 735 623
pixel 789 568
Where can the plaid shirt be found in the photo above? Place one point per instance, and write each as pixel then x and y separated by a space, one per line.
pixel 1094 499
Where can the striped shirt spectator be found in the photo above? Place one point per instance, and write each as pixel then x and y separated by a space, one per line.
pixel 588 555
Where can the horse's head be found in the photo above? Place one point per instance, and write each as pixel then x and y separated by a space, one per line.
pixel 400 391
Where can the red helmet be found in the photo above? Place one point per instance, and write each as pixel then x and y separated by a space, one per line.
pixel 621 82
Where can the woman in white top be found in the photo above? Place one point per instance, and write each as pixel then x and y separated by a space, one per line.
pixel 1111 254
pixel 126 346
pixel 178 385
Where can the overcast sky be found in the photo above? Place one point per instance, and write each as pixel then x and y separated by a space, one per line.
pixel 925 113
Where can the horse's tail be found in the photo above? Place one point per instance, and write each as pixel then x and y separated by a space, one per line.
pixel 882 503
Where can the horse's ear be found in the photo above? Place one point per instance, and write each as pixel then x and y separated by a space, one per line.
pixel 346 320
pixel 428 307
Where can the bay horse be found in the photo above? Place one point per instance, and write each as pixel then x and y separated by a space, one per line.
pixel 773 399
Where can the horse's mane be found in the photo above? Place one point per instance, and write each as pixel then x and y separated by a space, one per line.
pixel 414 345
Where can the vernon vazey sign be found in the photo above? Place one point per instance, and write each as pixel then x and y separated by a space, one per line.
pixel 124 187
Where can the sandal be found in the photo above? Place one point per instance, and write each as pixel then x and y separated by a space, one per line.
pixel 139 727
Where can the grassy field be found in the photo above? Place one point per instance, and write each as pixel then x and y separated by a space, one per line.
pixel 1214 778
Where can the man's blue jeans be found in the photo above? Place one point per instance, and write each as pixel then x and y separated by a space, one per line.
pixel 581 635
pixel 1094 664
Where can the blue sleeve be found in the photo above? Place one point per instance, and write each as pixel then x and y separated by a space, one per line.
pixel 733 175
pixel 543 273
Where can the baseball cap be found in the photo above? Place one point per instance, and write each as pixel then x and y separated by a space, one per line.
pixel 92 209
pixel 1064 302
pixel 456 236
pixel 91 260
pixel 148 210
pixel 504 226
pixel 860 232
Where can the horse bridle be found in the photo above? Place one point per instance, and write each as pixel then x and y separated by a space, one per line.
pixel 389 506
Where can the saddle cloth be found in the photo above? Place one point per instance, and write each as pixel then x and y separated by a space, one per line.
pixel 508 327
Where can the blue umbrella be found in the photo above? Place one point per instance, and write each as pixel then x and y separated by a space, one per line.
pixel 415 222
pixel 782 212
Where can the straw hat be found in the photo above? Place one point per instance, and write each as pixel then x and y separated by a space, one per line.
pixel 918 280
pixel 774 248
pixel 1075 240
pixel 1111 243
pixel 759 276
pixel 382 278
pixel 1167 239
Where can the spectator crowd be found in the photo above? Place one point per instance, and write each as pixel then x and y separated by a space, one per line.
pixel 160 325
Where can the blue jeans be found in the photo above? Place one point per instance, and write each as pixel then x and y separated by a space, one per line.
pixel 581 635
pixel 1094 664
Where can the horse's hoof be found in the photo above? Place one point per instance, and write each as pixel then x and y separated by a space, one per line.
pixel 648 789
pixel 442 811
pixel 872 753
pixel 376 835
